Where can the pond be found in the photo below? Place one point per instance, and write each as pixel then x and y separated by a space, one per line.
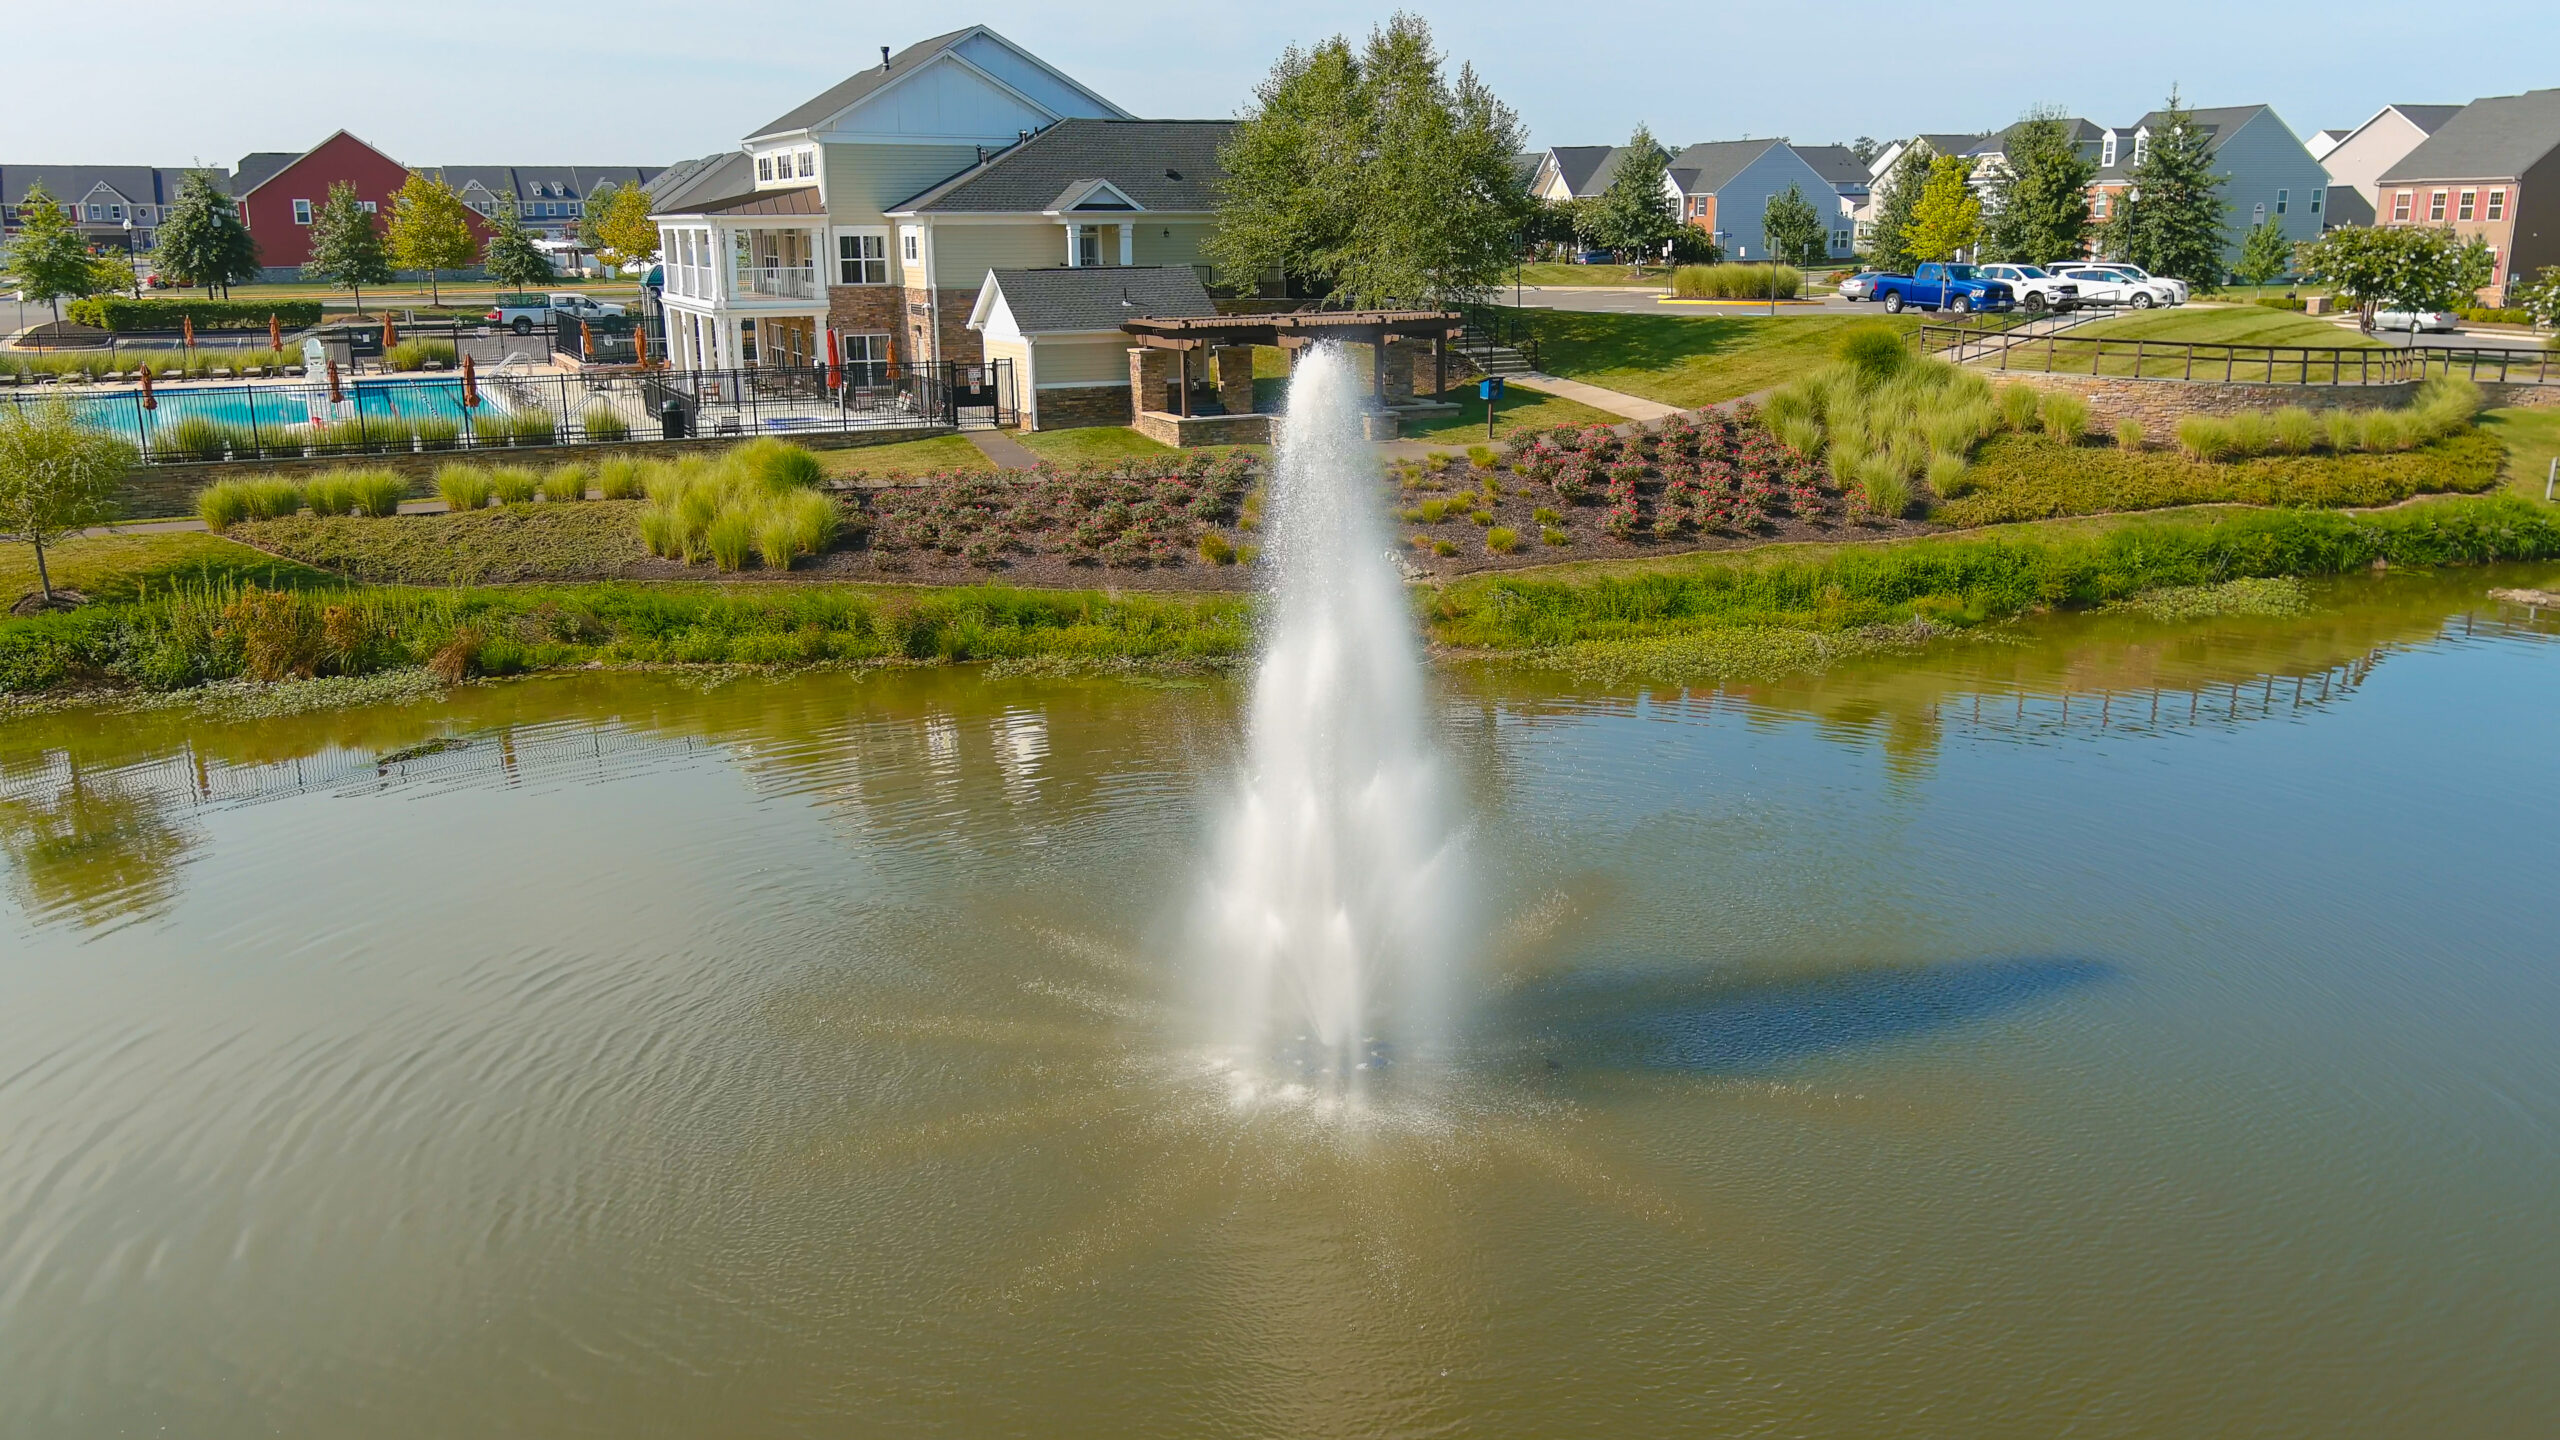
pixel 2114 1027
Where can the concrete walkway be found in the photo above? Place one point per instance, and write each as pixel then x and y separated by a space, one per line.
pixel 1633 407
pixel 1007 452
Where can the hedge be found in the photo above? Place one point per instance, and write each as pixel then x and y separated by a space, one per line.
pixel 125 316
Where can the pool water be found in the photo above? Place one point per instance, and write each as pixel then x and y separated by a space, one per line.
pixel 276 407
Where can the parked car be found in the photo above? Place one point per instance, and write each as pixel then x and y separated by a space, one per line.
pixel 2036 289
pixel 2105 285
pixel 2436 322
pixel 522 312
pixel 1961 289
pixel 2172 289
pixel 1861 286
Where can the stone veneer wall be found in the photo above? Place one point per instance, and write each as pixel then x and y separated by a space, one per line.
pixel 1204 429
pixel 2160 404
pixel 959 343
pixel 1076 406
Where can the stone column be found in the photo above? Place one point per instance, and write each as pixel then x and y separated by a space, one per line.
pixel 1400 358
pixel 1235 378
pixel 1149 371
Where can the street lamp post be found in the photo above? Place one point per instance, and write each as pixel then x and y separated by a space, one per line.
pixel 130 278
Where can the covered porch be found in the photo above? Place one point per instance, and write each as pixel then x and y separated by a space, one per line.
pixel 1174 357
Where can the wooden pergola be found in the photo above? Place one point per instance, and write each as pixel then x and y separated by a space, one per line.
pixel 1297 331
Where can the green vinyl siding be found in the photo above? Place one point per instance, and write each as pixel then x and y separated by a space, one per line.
pixel 865 180
pixel 1171 242
pixel 963 254
pixel 1083 362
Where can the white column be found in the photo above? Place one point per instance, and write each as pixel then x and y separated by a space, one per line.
pixel 1128 244
pixel 1071 244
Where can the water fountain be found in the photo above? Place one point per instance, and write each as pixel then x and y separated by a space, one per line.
pixel 1335 908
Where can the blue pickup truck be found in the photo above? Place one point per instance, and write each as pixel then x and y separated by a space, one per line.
pixel 1960 288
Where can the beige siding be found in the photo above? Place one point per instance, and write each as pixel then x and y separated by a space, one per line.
pixel 1172 242
pixel 963 254
pixel 864 180
pixel 1083 362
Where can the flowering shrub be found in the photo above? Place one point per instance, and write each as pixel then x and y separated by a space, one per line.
pixel 1138 512
pixel 1719 472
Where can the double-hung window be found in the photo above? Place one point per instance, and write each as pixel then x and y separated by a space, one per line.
pixel 862 258
pixel 2498 203
pixel 2315 202
pixel 2400 205
pixel 301 212
pixel 2435 205
pixel 2282 198
pixel 2467 202
pixel 764 167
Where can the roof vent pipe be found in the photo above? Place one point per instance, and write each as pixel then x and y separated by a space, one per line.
pixel 884 57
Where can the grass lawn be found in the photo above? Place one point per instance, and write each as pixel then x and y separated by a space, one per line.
pixel 2532 438
pixel 2232 325
pixel 941 452
pixel 1556 272
pixel 1520 409
pixel 509 543
pixel 1097 444
pixel 117 567
pixel 1689 360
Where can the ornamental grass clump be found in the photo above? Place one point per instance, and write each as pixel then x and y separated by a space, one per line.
pixel 604 423
pixel 2129 434
pixel 223 504
pixel 330 494
pixel 759 499
pixel 1737 282
pixel 1881 418
pixel 194 437
pixel 513 484
pixel 417 354
pixel 619 478
pixel 2295 430
pixel 2066 416
pixel 463 487
pixel 1502 539
pixel 437 432
pixel 2205 438
pixel 564 482
pixel 377 493
pixel 531 425
pixel 2019 406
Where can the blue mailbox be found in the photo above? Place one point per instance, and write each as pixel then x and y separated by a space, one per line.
pixel 1489 388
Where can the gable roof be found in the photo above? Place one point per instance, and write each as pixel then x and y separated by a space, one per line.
pixel 2429 118
pixel 1062 299
pixel 258 167
pixel 138 184
pixel 2497 138
pixel 1156 165
pixel 726 172
pixel 240 190
pixel 1585 169
pixel 2218 124
pixel 860 86
pixel 1837 164
pixel 1706 168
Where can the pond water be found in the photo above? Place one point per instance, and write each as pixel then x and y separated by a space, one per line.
pixel 2120 1028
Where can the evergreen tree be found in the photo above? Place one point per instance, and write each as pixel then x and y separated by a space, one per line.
pixel 1895 199
pixel 1373 174
pixel 431 231
pixel 2171 221
pixel 202 241
pixel 511 256
pixel 1794 229
pixel 1947 218
pixel 1635 216
pixel 49 261
pixel 346 249
pixel 2265 253
pixel 2038 209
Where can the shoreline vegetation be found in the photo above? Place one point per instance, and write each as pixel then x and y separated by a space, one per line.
pixel 1699 615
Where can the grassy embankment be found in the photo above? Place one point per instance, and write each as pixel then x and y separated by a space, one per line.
pixel 1690 360
pixel 1556 272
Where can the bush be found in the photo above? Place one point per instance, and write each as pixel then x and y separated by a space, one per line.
pixel 377 493
pixel 1502 539
pixel 2129 434
pixel 565 482
pixel 125 315
pixel 513 484
pixel 2019 406
pixel 463 487
pixel 1217 549
pixel 2033 478
pixel 1736 282
pixel 2279 302
pixel 330 494
pixel 2066 416
pixel 603 422
pixel 618 478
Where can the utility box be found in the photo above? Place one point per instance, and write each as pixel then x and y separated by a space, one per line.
pixel 2319 305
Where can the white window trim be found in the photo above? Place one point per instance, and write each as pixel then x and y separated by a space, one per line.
pixel 836 247
pixel 301 212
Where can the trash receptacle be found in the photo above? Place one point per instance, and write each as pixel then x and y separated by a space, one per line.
pixel 671 419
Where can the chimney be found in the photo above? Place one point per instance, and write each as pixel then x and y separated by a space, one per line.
pixel 884 57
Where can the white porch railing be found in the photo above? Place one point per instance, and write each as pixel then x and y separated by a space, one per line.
pixel 786 282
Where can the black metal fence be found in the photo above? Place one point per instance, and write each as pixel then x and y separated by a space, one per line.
pixel 609 339
pixel 508 407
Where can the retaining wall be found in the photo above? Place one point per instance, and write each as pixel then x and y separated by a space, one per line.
pixel 2160 403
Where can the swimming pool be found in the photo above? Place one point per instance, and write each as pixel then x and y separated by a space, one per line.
pixel 276 407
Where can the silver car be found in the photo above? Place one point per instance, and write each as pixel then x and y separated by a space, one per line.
pixel 2435 322
pixel 1861 286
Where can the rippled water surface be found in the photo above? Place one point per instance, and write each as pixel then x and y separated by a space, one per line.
pixel 2121 1029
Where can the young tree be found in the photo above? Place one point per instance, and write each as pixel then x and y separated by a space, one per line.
pixel 1794 229
pixel 1372 174
pixel 2539 297
pixel 511 257
pixel 56 476
pixel 2170 222
pixel 2265 253
pixel 49 260
pixel 617 226
pixel 1948 216
pixel 1635 215
pixel 202 241
pixel 346 248
pixel 2038 209
pixel 431 231
pixel 2371 266
pixel 1895 200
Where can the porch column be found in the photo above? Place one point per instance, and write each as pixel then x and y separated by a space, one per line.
pixel 733 355
pixel 1128 244
pixel 1071 246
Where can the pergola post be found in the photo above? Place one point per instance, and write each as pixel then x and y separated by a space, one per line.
pixel 1439 365
pixel 1378 364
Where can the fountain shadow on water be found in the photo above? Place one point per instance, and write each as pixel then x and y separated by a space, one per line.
pixel 1714 1024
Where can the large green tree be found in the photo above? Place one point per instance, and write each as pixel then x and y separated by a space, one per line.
pixel 2172 221
pixel 617 226
pixel 513 260
pixel 347 249
pixel 431 231
pixel 1372 174
pixel 56 476
pixel 202 240
pixel 2038 208
pixel 2426 268
pixel 1888 246
pixel 1947 218
pixel 1634 216
pixel 49 261
pixel 1794 229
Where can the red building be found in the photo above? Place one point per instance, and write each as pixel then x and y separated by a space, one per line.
pixel 278 194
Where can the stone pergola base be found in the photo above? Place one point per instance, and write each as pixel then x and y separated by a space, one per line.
pixel 1165 429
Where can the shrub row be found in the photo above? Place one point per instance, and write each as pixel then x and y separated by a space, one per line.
pixel 170 364
pixel 123 315
pixel 1736 281
pixel 2442 406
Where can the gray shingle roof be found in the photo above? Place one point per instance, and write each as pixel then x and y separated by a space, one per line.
pixel 2429 118
pixel 727 172
pixel 853 87
pixel 138 184
pixel 1162 165
pixel 2497 138
pixel 1716 162
pixel 526 183
pixel 1837 164
pixel 258 167
pixel 1586 169
pixel 1050 301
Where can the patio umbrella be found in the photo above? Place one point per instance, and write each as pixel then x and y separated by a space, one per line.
pixel 187 326
pixel 390 334
pixel 147 402
pixel 586 341
pixel 470 383
pixel 336 396
pixel 640 344
pixel 275 333
pixel 835 366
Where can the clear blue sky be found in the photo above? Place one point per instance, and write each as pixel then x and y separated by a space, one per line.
pixel 147 81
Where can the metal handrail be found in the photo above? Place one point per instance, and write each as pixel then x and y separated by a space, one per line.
pixel 2233 362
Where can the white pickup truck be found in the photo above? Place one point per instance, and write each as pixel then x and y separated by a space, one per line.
pixel 2037 290
pixel 521 313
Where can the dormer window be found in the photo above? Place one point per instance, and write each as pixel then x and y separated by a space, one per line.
pixel 2107 150
pixel 808 163
pixel 764 167
pixel 2141 148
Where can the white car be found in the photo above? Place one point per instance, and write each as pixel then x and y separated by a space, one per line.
pixel 2175 288
pixel 2035 288
pixel 2107 286
pixel 2432 321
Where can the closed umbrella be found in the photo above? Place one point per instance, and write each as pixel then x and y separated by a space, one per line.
pixel 147 402
pixel 835 366
pixel 187 328
pixel 470 383
pixel 275 333
pixel 336 395
pixel 390 333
